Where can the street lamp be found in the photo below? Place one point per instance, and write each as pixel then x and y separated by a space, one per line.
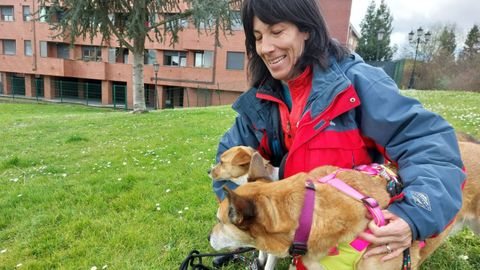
pixel 156 66
pixel 420 38
pixel 380 35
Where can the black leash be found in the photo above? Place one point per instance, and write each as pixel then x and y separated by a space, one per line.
pixel 394 187
pixel 194 259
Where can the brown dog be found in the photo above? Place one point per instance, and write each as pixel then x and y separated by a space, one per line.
pixel 235 166
pixel 265 215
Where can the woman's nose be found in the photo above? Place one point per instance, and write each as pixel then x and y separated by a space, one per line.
pixel 266 46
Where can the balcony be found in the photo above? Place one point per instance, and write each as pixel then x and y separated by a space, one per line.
pixel 16 63
pixel 180 74
pixel 85 69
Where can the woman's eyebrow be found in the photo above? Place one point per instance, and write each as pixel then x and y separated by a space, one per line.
pixel 269 27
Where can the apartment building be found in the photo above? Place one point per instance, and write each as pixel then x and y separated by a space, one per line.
pixel 194 72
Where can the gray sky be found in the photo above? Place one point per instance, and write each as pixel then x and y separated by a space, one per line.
pixel 410 14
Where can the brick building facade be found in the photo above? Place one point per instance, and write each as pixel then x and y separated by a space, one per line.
pixel 193 73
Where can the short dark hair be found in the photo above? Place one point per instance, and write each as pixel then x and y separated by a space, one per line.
pixel 306 15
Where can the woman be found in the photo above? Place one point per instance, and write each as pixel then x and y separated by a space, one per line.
pixel 313 103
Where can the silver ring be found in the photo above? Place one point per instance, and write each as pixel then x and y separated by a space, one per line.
pixel 389 250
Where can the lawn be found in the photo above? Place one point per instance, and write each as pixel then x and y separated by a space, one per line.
pixel 84 187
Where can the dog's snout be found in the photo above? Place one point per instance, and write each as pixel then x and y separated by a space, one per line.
pixel 209 171
pixel 209 236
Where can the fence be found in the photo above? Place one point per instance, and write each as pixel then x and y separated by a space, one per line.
pixel 89 92
pixel 71 90
pixel 65 90
pixel 39 89
pixel 17 85
pixel 119 95
pixel 174 97
pixel 394 69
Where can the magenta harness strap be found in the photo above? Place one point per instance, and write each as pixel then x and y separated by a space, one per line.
pixel 299 246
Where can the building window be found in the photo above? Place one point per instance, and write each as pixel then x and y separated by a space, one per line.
pixel 174 58
pixel 9 47
pixel 172 23
pixel 91 53
pixel 118 55
pixel 43 49
pixel 63 51
pixel 235 60
pixel 150 57
pixel 118 19
pixel 59 15
pixel 123 54
pixel 27 48
pixel 153 19
pixel 207 24
pixel 43 13
pixel 204 59
pixel 112 55
pixel 26 13
pixel 6 13
pixel 236 20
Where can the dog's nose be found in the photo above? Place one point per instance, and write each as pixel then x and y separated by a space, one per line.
pixel 209 170
pixel 208 237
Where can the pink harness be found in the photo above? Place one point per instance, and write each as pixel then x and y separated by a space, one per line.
pixel 299 246
pixel 371 204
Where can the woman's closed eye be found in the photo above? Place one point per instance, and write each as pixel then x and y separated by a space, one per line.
pixel 277 32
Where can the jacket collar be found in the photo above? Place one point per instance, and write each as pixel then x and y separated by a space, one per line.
pixel 253 108
pixel 326 85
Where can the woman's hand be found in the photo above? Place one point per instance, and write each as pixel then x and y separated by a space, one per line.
pixel 391 239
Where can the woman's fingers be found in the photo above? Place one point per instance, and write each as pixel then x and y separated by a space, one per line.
pixel 391 250
pixel 391 239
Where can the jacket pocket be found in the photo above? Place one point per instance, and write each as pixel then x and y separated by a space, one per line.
pixel 344 149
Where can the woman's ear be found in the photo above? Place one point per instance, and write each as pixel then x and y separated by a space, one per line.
pixel 306 35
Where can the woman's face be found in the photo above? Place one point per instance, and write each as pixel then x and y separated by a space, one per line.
pixel 280 46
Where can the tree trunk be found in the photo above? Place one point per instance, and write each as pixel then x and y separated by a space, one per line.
pixel 138 86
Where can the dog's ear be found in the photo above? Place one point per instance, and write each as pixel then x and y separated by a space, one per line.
pixel 257 168
pixel 242 157
pixel 241 210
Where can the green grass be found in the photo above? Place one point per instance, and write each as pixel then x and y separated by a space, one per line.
pixel 83 187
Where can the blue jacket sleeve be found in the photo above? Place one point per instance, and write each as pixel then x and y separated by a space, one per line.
pixel 423 145
pixel 240 133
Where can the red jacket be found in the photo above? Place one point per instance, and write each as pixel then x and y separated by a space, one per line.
pixel 311 147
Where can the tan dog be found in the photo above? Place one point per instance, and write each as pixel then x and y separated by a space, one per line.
pixel 265 215
pixel 235 166
pixel 241 164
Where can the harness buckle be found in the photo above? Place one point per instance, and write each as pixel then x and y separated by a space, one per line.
pixel 309 184
pixel 297 249
pixel 370 202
